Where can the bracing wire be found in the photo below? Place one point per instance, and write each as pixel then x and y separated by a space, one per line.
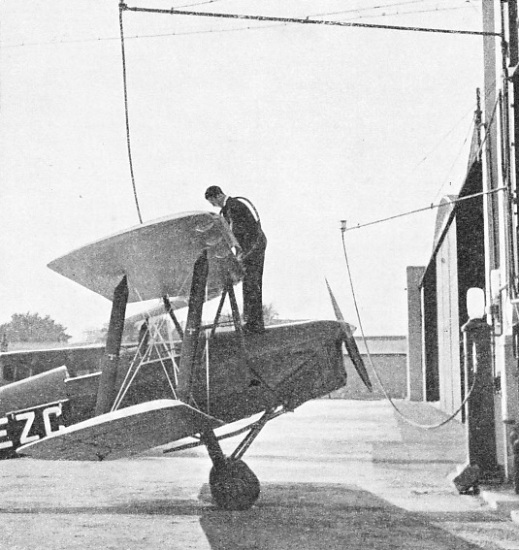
pixel 469 135
pixel 425 208
pixel 194 5
pixel 386 395
pixel 441 141
pixel 125 88
pixel 377 7
pixel 431 206
pixel 491 119
pixel 413 12
pixel 189 33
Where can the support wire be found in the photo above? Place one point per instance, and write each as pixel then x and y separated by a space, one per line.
pixel 307 21
pixel 430 207
pixel 125 87
pixel 386 395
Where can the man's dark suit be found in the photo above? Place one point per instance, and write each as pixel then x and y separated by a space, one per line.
pixel 253 242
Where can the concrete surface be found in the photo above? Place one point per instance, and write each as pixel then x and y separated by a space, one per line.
pixel 335 474
pixel 502 499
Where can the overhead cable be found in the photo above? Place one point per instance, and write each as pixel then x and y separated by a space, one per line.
pixel 364 339
pixel 307 21
pixel 430 207
pixel 194 5
pixel 487 94
pixel 410 12
pixel 208 31
pixel 470 133
pixel 369 8
pixel 128 141
pixel 383 14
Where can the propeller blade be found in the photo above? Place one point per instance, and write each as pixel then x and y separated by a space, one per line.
pixel 336 308
pixel 350 343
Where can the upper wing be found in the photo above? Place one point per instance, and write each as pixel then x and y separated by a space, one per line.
pixel 157 258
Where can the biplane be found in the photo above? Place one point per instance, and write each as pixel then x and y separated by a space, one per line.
pixel 160 392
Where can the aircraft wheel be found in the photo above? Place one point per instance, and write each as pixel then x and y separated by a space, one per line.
pixel 234 486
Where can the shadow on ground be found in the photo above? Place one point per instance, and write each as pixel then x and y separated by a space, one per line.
pixel 303 516
pixel 319 516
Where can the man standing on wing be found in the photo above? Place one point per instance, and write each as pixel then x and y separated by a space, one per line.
pixel 252 242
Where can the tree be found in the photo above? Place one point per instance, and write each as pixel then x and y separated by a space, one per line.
pixel 270 315
pixel 31 327
pixel 95 335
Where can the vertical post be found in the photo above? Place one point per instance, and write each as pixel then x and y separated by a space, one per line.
pixel 415 375
pixel 110 359
pixel 513 60
pixel 491 131
pixel 508 375
pixel 481 436
pixel 512 33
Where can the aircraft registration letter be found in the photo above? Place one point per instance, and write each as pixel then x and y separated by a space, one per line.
pixel 30 425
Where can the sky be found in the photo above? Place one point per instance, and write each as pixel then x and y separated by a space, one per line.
pixel 314 124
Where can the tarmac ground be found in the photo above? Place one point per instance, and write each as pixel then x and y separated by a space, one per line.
pixel 334 474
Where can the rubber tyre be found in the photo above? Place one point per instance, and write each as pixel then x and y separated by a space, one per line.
pixel 234 486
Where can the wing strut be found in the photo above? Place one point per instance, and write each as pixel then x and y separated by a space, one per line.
pixel 235 312
pixel 219 311
pixel 110 360
pixel 171 313
pixel 239 331
pixel 193 325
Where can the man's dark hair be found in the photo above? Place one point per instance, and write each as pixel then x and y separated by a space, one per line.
pixel 213 191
